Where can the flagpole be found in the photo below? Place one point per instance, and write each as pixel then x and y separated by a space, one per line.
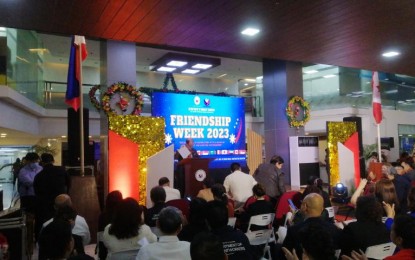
pixel 81 113
pixel 379 146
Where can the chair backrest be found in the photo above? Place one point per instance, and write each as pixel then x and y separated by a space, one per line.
pixel 182 204
pixel 124 255
pixel 231 222
pixel 261 220
pixel 252 199
pixel 259 237
pixel 283 206
pixel 380 251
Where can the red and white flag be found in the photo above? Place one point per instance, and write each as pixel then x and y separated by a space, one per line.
pixel 376 102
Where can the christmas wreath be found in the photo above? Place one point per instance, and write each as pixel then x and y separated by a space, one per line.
pixel 119 97
pixel 297 111
pixel 93 98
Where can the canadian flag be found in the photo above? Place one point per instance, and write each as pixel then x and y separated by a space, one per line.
pixel 376 102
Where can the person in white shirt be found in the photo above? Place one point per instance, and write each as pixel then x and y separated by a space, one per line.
pixel 239 185
pixel 171 194
pixel 80 228
pixel 168 246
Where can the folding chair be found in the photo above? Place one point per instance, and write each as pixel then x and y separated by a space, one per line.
pixel 231 222
pixel 262 237
pixel 380 251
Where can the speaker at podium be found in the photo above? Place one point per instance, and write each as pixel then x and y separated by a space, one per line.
pixel 195 170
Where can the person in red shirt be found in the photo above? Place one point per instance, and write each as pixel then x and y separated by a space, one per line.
pixel 403 236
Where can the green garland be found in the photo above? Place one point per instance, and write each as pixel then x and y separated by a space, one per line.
pixel 293 109
pixel 93 99
pixel 122 87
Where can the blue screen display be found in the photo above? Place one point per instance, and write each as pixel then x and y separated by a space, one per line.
pixel 216 124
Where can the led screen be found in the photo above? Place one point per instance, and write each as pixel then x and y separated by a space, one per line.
pixel 216 124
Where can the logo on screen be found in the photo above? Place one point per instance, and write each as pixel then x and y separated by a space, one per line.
pixel 207 102
pixel 196 100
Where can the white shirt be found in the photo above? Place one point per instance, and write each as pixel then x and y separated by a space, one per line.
pixel 171 194
pixel 168 247
pixel 239 185
pixel 80 228
pixel 113 244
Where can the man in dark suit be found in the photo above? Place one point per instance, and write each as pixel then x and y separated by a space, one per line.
pixel 312 207
pixel 49 183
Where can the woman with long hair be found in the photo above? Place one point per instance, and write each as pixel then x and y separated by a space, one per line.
pixel 385 192
pixel 219 193
pixel 127 228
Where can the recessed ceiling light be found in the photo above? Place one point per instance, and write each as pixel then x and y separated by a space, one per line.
pixel 176 63
pixel 63 136
pixel 310 71
pixel 201 66
pixel 329 76
pixel 250 31
pixel 189 71
pixel 390 54
pixel 246 84
pixel 168 69
pixel 250 80
pixel 223 75
pixel 3 134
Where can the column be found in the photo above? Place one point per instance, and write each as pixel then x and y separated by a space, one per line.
pixel 282 80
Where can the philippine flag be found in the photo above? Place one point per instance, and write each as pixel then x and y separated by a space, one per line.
pixel 376 102
pixel 74 71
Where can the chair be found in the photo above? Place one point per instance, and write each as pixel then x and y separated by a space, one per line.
pixel 330 211
pixel 124 255
pixel 283 206
pixel 380 251
pixel 231 222
pixel 264 236
pixel 182 204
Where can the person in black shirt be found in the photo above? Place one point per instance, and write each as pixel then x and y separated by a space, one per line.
pixel 158 197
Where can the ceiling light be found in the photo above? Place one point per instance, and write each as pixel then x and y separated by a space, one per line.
pixel 310 71
pixel 167 69
pixel 390 54
pixel 329 76
pixel 189 71
pixel 3 134
pixel 246 84
pixel 250 80
pixel 250 31
pixel 176 63
pixel 393 91
pixel 63 136
pixel 2 29
pixel 223 75
pixel 201 66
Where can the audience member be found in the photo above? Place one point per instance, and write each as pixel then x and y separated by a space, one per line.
pixel 80 227
pixel 312 207
pixel 105 218
pixel 168 247
pixel 235 243
pixel 239 185
pixel 260 206
pixel 271 177
pixel 219 194
pixel 368 230
pixel 390 209
pixel 315 181
pixel 403 236
pixel 206 246
pixel 47 184
pixel 298 216
pixel 197 220
pixel 317 244
pixel 402 185
pixel 408 167
pixel 127 231
pixel 206 192
pixel 55 240
pixel 171 194
pixel 158 198
pixel 385 192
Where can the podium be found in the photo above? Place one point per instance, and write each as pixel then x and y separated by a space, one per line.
pixel 195 172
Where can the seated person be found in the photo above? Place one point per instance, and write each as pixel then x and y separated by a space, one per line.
pixel 206 192
pixel 80 227
pixel 317 244
pixel 260 206
pixel 171 194
pixel 403 236
pixel 168 247
pixel 368 230
pixel 235 243
pixel 197 220
pixel 239 185
pixel 317 182
pixel 206 246
pixel 55 240
pixel 312 207
pixel 158 198
pixel 127 230
pixel 219 194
